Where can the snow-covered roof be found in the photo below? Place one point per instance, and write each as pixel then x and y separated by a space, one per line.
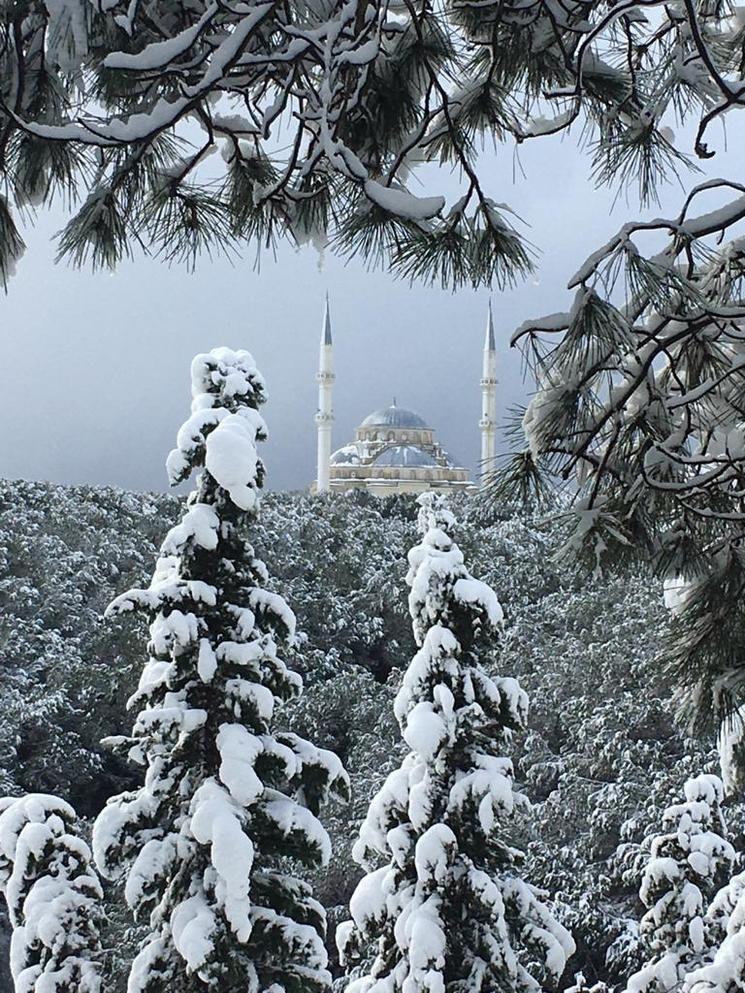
pixel 405 456
pixel 394 417
pixel 347 455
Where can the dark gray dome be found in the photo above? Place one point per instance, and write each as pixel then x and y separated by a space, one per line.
pixel 405 456
pixel 394 417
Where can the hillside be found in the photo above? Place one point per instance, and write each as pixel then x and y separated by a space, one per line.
pixel 602 755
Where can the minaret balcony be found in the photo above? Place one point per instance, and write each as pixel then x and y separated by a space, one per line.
pixel 325 377
pixel 488 381
pixel 323 418
pixel 486 424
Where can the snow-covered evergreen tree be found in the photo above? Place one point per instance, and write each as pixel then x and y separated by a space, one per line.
pixel 689 862
pixel 725 972
pixel 226 799
pixel 448 909
pixel 53 895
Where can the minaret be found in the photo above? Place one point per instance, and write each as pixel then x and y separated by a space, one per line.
pixel 325 412
pixel 488 422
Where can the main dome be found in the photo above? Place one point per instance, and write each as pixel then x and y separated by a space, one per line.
pixel 394 417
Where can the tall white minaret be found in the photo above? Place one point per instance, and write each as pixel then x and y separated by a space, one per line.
pixel 325 412
pixel 488 422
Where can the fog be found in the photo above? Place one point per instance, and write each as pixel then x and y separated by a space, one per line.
pixel 96 366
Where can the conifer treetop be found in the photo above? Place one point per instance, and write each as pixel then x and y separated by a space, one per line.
pixel 689 862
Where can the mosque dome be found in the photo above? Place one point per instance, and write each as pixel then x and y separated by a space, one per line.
pixel 395 451
pixel 394 417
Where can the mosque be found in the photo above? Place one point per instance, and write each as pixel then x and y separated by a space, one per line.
pixel 395 450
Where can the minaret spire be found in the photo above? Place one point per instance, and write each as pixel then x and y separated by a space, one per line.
pixel 489 345
pixel 326 335
pixel 325 412
pixel 488 422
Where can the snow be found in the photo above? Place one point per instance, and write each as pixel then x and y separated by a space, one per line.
pixel 433 854
pixel 206 661
pixel 159 54
pixel 425 730
pixel 676 591
pixel 473 591
pixel 175 631
pixel 489 788
pixel 275 604
pixel 35 808
pixel 290 818
pixel 368 902
pixel 152 862
pixel 193 926
pixel 216 820
pixel 239 750
pixel 53 897
pixel 232 460
pixel 149 957
pixel 402 203
pixel 199 525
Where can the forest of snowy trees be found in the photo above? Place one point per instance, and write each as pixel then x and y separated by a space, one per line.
pixel 586 840
pixel 396 746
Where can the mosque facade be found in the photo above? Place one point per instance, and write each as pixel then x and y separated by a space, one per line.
pixel 394 450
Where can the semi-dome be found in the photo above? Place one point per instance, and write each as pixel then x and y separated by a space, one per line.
pixel 405 456
pixel 394 417
pixel 347 455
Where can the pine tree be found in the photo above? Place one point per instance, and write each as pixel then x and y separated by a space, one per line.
pixel 448 910
pixel 689 862
pixel 724 973
pixel 227 800
pixel 98 99
pixel 639 403
pixel 53 896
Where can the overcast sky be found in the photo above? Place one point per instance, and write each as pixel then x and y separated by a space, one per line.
pixel 96 367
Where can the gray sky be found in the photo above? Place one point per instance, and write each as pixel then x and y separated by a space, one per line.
pixel 96 367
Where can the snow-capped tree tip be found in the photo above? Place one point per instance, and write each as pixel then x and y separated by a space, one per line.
pixel 227 797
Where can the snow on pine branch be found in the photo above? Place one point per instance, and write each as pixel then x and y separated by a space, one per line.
pixel 322 111
pixel 638 405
